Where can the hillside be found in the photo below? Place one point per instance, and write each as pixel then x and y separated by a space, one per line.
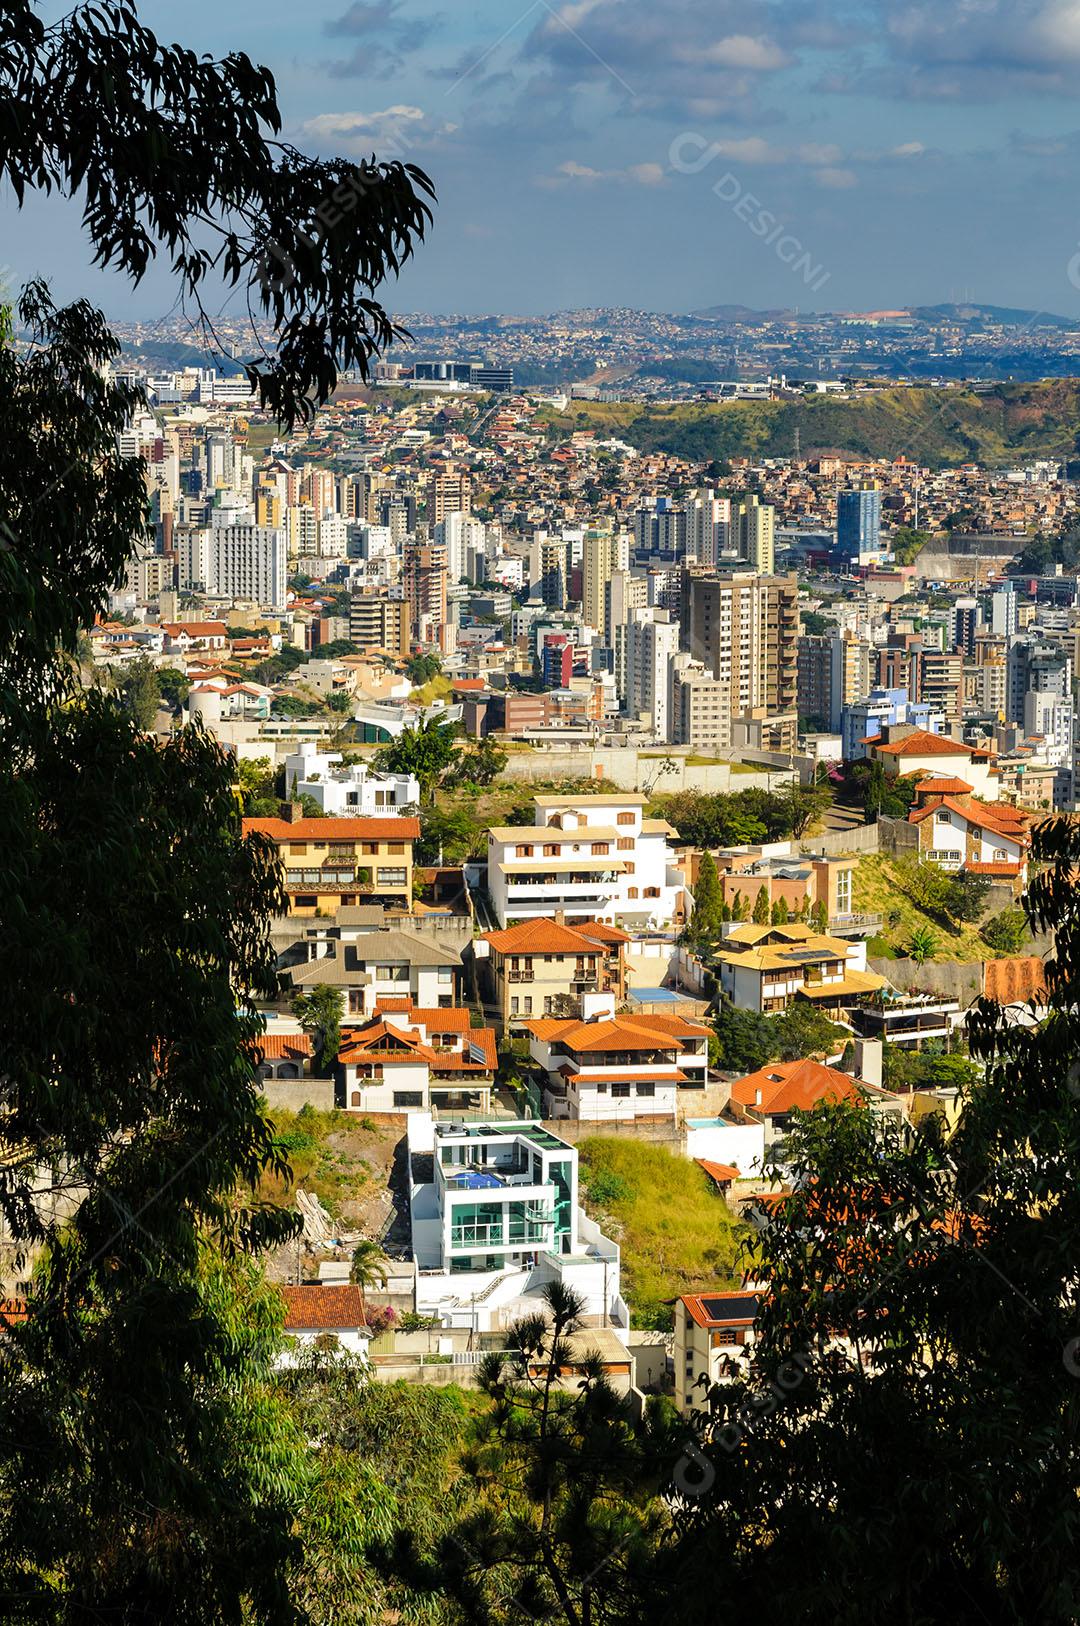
pixel 938 427
pixel 675 1233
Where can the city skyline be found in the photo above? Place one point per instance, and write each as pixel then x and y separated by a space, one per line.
pixel 594 154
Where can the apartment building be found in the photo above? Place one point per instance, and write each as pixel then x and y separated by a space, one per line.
pixel 833 673
pixel 753 525
pixel 620 1067
pixel 408 1058
pixel 602 553
pixel 378 621
pixel 698 707
pixel 546 968
pixel 424 578
pixel 495 1218
pixel 623 593
pixel 652 638
pixel 744 629
pixel 763 968
pixel 333 863
pixel 588 858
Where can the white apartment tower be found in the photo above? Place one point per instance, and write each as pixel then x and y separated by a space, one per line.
pixel 652 639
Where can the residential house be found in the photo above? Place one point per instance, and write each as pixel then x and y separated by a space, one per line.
pixel 353 789
pixel 369 966
pixel 546 968
pixel 319 1313
pixel 711 1331
pixel 495 1218
pixel 406 1058
pixel 763 968
pixel 620 1067
pixel 770 1096
pixel 333 862
pixel 590 858
pixel 800 881
pixel 181 636
pixel 285 1055
pixel 905 751
pixel 960 831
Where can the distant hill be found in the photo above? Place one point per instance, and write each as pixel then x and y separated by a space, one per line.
pixel 995 425
pixel 737 313
pixel 1007 315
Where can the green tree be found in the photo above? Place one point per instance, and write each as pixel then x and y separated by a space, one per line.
pixel 448 835
pixel 478 764
pixel 421 669
pixel 369 1268
pixel 922 945
pixel 780 913
pixel 819 916
pixel 967 896
pixel 140 692
pixel 706 918
pixel 564 1523
pixel 762 911
pixel 425 751
pixel 319 1011
pixel 945 1261
pixel 1006 933
pixel 174 686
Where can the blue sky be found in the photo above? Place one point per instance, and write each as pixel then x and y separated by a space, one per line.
pixel 622 152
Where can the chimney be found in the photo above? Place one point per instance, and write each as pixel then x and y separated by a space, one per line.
pixel 559 917
pixel 291 811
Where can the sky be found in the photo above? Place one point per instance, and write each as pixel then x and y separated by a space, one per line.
pixel 672 154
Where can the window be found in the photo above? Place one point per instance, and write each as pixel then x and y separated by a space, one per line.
pixel 631 892
pixel 646 1089
pixel 551 851
pixel 395 849
pixel 528 1004
pixel 356 1098
pixel 408 1098
pixel 599 847
pixel 628 868
pixel 652 892
pixel 305 900
pixel 522 852
pixel 625 844
pixel 620 1091
pixel 624 818
pixel 942 818
pixel 298 849
pixel 513 1004
pixel 391 877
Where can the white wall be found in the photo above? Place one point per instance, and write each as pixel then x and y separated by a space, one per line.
pixel 740 1144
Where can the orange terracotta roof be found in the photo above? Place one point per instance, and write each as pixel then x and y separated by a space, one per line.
pixel 285 1046
pixel 736 1302
pixel 1015 981
pixel 786 1086
pixel 12 1311
pixel 311 1308
pixel 541 937
pixel 999 817
pixel 1009 871
pixel 922 744
pixel 390 1003
pixel 616 1032
pixel 943 786
pixel 322 830
pixel 194 629
pixel 722 1173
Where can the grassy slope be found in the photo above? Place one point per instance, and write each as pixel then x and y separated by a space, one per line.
pixel 877 892
pixel 342 1159
pixel 676 1233
pixel 934 426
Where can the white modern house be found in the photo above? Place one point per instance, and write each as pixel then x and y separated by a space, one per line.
pixel 587 858
pixel 352 788
pixel 495 1218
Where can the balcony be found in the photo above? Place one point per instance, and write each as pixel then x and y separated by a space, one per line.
pixel 500 1236
pixel 519 976
pixel 854 924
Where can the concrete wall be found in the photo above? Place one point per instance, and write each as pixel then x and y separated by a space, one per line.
pixel 897 837
pixel 290 1094
pixel 626 768
pixel 951 979
pixel 861 838
pixel 575 1129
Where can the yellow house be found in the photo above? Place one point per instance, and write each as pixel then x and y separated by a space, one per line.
pixel 335 863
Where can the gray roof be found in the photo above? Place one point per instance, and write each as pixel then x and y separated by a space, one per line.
pixel 373 948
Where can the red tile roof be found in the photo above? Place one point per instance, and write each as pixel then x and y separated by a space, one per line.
pixel 922 744
pixel 737 1301
pixel 943 786
pixel 548 937
pixel 322 830
pixel 285 1046
pixel 722 1173
pixel 998 817
pixel 323 1308
pixel 788 1085
pixel 616 1032
pixel 1008 871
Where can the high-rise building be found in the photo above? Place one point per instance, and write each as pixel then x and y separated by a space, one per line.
pixel 660 532
pixel 754 527
pixel 699 707
pixel 377 621
pixel 459 532
pixel 965 624
pixel 549 570
pixel 940 682
pixel 708 526
pixel 1033 664
pixel 834 672
pixel 448 494
pixel 602 553
pixel 1003 605
pixel 858 523
pixel 247 561
pixel 652 639
pixel 623 593
pixel 745 629
pixel 557 660
pixel 423 574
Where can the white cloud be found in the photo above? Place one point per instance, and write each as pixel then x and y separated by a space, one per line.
pixel 756 54
pixel 633 175
pixel 373 126
pixel 836 180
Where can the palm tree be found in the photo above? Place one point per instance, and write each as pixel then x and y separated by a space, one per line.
pixel 923 945
pixel 368 1269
